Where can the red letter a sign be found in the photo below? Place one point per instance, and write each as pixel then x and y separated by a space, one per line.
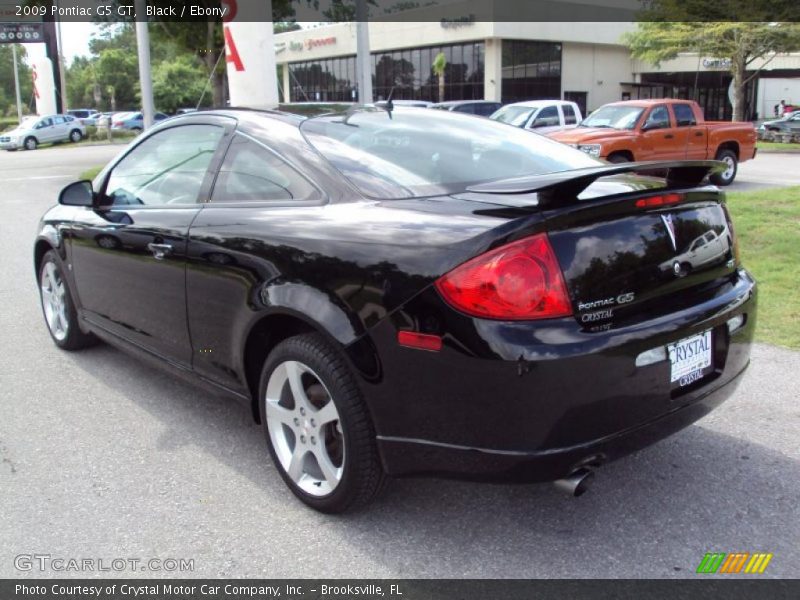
pixel 231 53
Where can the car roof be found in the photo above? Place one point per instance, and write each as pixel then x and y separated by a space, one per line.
pixel 644 103
pixel 464 102
pixel 251 114
pixel 539 103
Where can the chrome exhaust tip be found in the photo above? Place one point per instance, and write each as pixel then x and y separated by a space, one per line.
pixel 577 483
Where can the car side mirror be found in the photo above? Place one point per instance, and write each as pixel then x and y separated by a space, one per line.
pixel 653 125
pixel 79 193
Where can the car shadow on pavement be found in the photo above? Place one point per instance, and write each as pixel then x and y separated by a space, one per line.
pixel 652 514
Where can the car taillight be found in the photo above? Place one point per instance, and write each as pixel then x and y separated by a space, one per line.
pixel 519 281
pixel 664 200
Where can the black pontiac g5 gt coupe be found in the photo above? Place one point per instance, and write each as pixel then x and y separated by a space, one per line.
pixel 408 292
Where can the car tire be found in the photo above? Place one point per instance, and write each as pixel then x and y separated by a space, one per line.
pixel 618 159
pixel 30 143
pixel 322 440
pixel 58 307
pixel 75 136
pixel 727 176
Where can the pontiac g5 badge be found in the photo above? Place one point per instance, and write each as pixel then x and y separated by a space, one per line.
pixel 670 226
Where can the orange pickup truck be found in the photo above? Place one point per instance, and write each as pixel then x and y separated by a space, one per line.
pixel 638 130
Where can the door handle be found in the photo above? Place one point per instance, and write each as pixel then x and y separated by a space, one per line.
pixel 669 136
pixel 698 134
pixel 160 250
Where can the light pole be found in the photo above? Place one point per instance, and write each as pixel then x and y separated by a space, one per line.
pixel 363 65
pixel 16 82
pixel 145 79
pixel 61 65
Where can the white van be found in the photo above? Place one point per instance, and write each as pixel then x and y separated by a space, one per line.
pixel 543 116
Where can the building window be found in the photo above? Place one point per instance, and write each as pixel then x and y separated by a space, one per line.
pixel 409 72
pixel 531 70
pixel 326 80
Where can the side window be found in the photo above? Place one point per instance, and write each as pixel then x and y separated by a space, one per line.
pixel 546 117
pixel 658 119
pixel 684 115
pixel 485 109
pixel 167 168
pixel 44 123
pixel 465 108
pixel 251 173
pixel 569 114
pixel 59 120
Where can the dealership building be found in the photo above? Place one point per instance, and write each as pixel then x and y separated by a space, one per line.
pixel 510 62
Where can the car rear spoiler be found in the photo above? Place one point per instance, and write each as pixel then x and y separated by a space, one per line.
pixel 564 187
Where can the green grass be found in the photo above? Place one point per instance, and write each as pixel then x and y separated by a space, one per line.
pixel 777 147
pixel 90 173
pixel 767 224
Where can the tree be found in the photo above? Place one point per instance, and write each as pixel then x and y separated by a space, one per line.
pixel 8 100
pixel 118 75
pixel 177 83
pixel 439 67
pixel 744 44
pixel 82 80
pixel 284 26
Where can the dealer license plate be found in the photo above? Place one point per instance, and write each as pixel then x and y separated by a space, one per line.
pixel 691 359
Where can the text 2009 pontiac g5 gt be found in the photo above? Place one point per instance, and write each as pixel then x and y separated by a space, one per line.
pixel 408 292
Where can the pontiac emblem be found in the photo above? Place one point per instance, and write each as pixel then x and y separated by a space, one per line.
pixel 670 226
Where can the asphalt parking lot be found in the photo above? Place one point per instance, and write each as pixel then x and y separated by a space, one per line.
pixel 104 457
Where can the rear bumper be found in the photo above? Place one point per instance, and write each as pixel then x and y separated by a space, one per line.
pixel 534 401
pixel 419 457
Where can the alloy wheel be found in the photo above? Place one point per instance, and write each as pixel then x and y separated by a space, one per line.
pixel 730 167
pixel 54 301
pixel 304 428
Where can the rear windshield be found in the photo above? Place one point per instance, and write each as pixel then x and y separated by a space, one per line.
pixel 412 153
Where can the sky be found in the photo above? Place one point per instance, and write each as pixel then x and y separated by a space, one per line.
pixel 75 38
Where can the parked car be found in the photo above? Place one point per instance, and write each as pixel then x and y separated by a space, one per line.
pixel 35 130
pixel 666 129
pixel 544 116
pixel 413 103
pixel 84 115
pixel 482 108
pixel 405 293
pixel 788 124
pixel 183 111
pixel 134 121
pixel 103 119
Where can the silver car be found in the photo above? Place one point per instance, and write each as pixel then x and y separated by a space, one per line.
pixel 36 130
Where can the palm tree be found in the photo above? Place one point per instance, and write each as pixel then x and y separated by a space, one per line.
pixel 439 65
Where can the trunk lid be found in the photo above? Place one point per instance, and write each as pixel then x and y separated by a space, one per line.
pixel 624 261
pixel 630 247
